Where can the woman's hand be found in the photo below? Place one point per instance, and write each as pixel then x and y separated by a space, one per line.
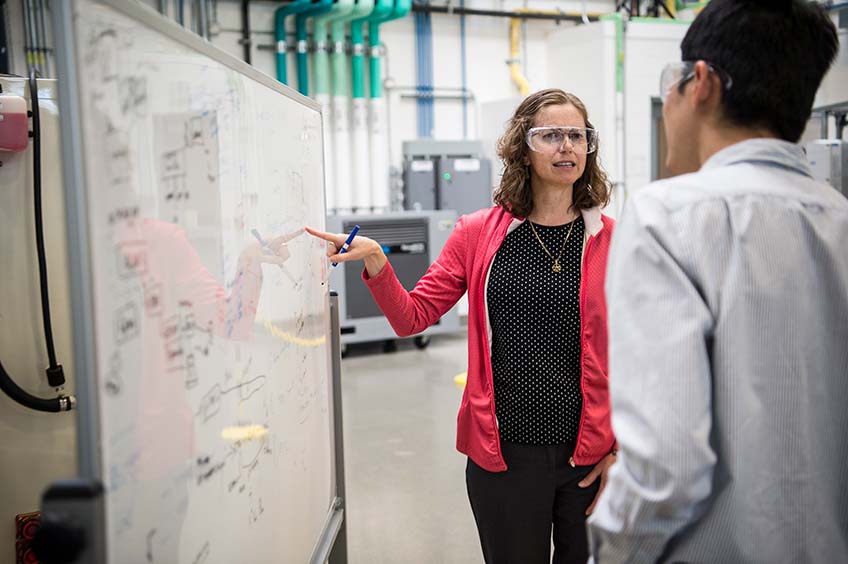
pixel 601 469
pixel 362 248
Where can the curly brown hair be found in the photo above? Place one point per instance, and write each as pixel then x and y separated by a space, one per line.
pixel 514 194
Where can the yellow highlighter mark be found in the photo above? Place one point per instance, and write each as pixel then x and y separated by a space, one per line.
pixel 288 337
pixel 244 432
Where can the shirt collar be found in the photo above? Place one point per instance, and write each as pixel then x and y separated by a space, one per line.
pixel 774 152
pixel 591 219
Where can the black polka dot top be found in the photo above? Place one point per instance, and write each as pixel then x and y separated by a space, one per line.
pixel 535 318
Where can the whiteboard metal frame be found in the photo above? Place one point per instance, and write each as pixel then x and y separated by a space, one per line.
pixel 332 542
pixel 78 237
pixel 68 503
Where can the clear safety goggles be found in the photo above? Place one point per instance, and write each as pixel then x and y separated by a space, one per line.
pixel 679 73
pixel 550 139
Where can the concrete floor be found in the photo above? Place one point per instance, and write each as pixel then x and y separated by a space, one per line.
pixel 405 480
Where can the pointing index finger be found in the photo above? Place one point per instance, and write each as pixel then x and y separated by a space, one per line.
pixel 331 237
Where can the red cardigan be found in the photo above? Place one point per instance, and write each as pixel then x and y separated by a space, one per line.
pixel 464 264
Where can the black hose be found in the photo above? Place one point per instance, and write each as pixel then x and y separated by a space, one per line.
pixel 55 375
pixel 53 405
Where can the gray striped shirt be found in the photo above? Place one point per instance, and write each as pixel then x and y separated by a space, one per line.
pixel 727 292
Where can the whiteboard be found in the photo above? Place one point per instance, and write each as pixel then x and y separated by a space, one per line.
pixel 209 419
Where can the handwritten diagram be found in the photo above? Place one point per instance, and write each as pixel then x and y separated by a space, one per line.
pixel 187 167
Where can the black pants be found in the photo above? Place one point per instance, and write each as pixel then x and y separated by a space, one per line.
pixel 516 509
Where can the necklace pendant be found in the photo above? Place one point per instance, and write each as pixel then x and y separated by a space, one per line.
pixel 556 267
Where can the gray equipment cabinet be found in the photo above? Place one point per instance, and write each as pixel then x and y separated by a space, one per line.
pixel 446 175
pixel 412 241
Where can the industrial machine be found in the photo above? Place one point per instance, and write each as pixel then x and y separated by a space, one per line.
pixel 828 155
pixel 828 160
pixel 412 241
pixel 446 175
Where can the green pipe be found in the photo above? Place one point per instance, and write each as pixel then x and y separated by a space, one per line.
pixel 400 9
pixel 317 8
pixel 382 8
pixel 320 25
pixel 337 37
pixel 619 48
pixel 280 16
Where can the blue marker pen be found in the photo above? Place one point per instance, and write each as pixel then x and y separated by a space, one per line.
pixel 347 243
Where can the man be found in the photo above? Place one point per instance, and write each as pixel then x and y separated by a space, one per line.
pixel 728 303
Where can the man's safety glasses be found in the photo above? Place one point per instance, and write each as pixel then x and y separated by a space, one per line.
pixel 679 73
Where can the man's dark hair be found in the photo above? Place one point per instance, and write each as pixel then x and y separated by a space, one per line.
pixel 776 52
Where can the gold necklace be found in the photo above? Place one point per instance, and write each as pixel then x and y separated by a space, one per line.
pixel 556 266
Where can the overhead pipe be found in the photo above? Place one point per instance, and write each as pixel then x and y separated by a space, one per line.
pixel 358 124
pixel 381 13
pixel 36 38
pixel 320 61
pixel 4 53
pixel 551 15
pixel 378 123
pixel 41 27
pixel 280 15
pixel 619 184
pixel 340 101
pixel 424 72
pixel 514 62
pixel 29 36
pixel 246 39
pixel 321 66
pixel 204 19
pixel 364 153
pixel 463 70
pixel 317 8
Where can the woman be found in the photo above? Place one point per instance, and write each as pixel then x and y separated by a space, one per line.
pixel 534 419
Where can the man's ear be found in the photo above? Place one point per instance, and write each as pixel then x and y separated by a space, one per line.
pixel 706 87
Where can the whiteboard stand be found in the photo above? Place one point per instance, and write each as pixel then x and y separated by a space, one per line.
pixel 332 547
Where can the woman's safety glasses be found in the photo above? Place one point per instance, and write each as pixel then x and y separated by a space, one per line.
pixel 551 139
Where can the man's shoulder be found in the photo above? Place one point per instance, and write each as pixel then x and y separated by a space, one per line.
pixel 734 184
pixel 679 191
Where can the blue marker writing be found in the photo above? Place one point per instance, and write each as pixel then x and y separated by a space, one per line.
pixel 347 243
